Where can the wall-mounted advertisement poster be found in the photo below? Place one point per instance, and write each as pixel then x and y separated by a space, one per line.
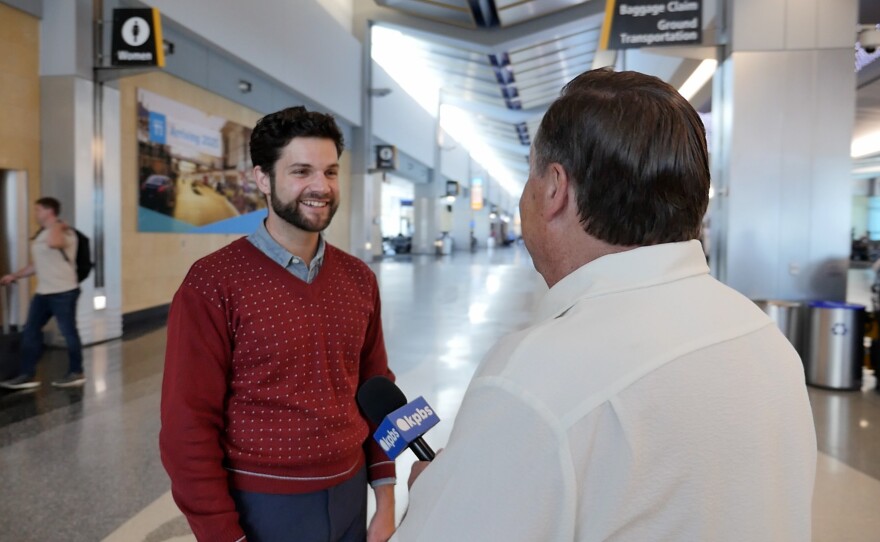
pixel 194 171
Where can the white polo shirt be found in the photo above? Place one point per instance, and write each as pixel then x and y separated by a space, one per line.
pixel 647 402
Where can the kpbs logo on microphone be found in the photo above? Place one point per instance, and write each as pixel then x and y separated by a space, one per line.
pixel 404 425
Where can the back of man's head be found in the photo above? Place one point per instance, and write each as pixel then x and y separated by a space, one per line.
pixel 635 150
pixel 50 203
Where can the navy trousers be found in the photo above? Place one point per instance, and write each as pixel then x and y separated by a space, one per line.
pixel 337 514
pixel 43 307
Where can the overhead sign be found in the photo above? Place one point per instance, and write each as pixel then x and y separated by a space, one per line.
pixel 630 24
pixel 476 194
pixel 137 38
pixel 386 157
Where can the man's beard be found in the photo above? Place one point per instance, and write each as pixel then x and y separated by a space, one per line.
pixel 291 213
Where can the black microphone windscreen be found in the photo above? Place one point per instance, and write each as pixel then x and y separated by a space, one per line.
pixel 378 397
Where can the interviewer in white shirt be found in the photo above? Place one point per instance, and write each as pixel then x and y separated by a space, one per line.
pixel 647 401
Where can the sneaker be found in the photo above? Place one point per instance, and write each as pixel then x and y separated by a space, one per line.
pixel 70 380
pixel 20 382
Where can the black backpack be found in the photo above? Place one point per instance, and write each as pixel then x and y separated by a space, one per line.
pixel 83 256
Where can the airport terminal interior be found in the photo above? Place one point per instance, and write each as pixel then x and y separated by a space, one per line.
pixel 136 115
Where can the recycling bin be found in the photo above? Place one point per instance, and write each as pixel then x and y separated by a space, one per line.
pixel 835 347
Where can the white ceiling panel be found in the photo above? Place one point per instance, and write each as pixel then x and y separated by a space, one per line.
pixel 457 12
pixel 512 12
pixel 504 90
pixel 588 40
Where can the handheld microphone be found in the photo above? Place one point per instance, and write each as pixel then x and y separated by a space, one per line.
pixel 401 424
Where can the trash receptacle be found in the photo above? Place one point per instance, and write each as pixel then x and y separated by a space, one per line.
pixel 447 245
pixel 835 347
pixel 788 316
pixel 443 245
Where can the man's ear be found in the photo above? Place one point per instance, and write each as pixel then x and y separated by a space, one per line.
pixel 557 190
pixel 263 181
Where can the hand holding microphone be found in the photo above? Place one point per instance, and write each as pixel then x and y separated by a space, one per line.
pixel 401 424
pixel 417 469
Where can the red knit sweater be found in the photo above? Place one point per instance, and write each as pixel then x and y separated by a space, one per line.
pixel 261 372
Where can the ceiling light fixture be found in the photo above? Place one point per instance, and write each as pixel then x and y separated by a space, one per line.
pixel 865 145
pixel 698 79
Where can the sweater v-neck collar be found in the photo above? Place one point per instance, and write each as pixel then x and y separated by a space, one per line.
pixel 289 278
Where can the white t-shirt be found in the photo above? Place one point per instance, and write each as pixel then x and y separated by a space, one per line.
pixel 54 273
pixel 647 402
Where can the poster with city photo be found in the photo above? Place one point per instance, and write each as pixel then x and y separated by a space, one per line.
pixel 194 171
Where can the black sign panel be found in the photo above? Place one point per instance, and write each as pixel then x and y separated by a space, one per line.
pixel 386 157
pixel 630 24
pixel 137 38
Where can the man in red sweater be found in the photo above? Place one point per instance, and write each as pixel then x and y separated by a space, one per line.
pixel 269 339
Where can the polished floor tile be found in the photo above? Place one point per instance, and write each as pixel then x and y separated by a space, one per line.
pixel 844 503
pixel 83 465
pixel 848 426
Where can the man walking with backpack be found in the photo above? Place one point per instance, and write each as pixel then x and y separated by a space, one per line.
pixel 54 262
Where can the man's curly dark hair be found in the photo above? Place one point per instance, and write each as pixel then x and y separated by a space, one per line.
pixel 274 131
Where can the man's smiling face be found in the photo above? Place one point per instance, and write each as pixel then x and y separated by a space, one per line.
pixel 305 183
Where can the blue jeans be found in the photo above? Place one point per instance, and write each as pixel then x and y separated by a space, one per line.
pixel 43 307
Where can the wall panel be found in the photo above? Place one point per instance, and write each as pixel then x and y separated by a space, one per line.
pixel 20 95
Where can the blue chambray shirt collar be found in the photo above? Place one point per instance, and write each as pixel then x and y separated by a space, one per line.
pixel 278 254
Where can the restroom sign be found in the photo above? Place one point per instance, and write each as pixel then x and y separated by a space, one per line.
pixel 386 157
pixel 137 38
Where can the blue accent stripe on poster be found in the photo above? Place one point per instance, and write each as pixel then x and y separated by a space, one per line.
pixel 151 221
pixel 241 224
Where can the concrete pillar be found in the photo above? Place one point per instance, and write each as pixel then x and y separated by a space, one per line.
pixel 71 155
pixel 873 218
pixel 375 225
pixel 783 106
pixel 426 215
pixel 482 226
pixel 363 184
pixel 461 221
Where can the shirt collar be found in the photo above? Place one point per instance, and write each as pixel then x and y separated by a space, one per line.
pixel 637 268
pixel 277 253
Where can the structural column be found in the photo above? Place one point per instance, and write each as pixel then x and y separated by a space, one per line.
pixel 461 220
pixel 70 152
pixel 783 107
pixel 426 215
pixel 363 185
